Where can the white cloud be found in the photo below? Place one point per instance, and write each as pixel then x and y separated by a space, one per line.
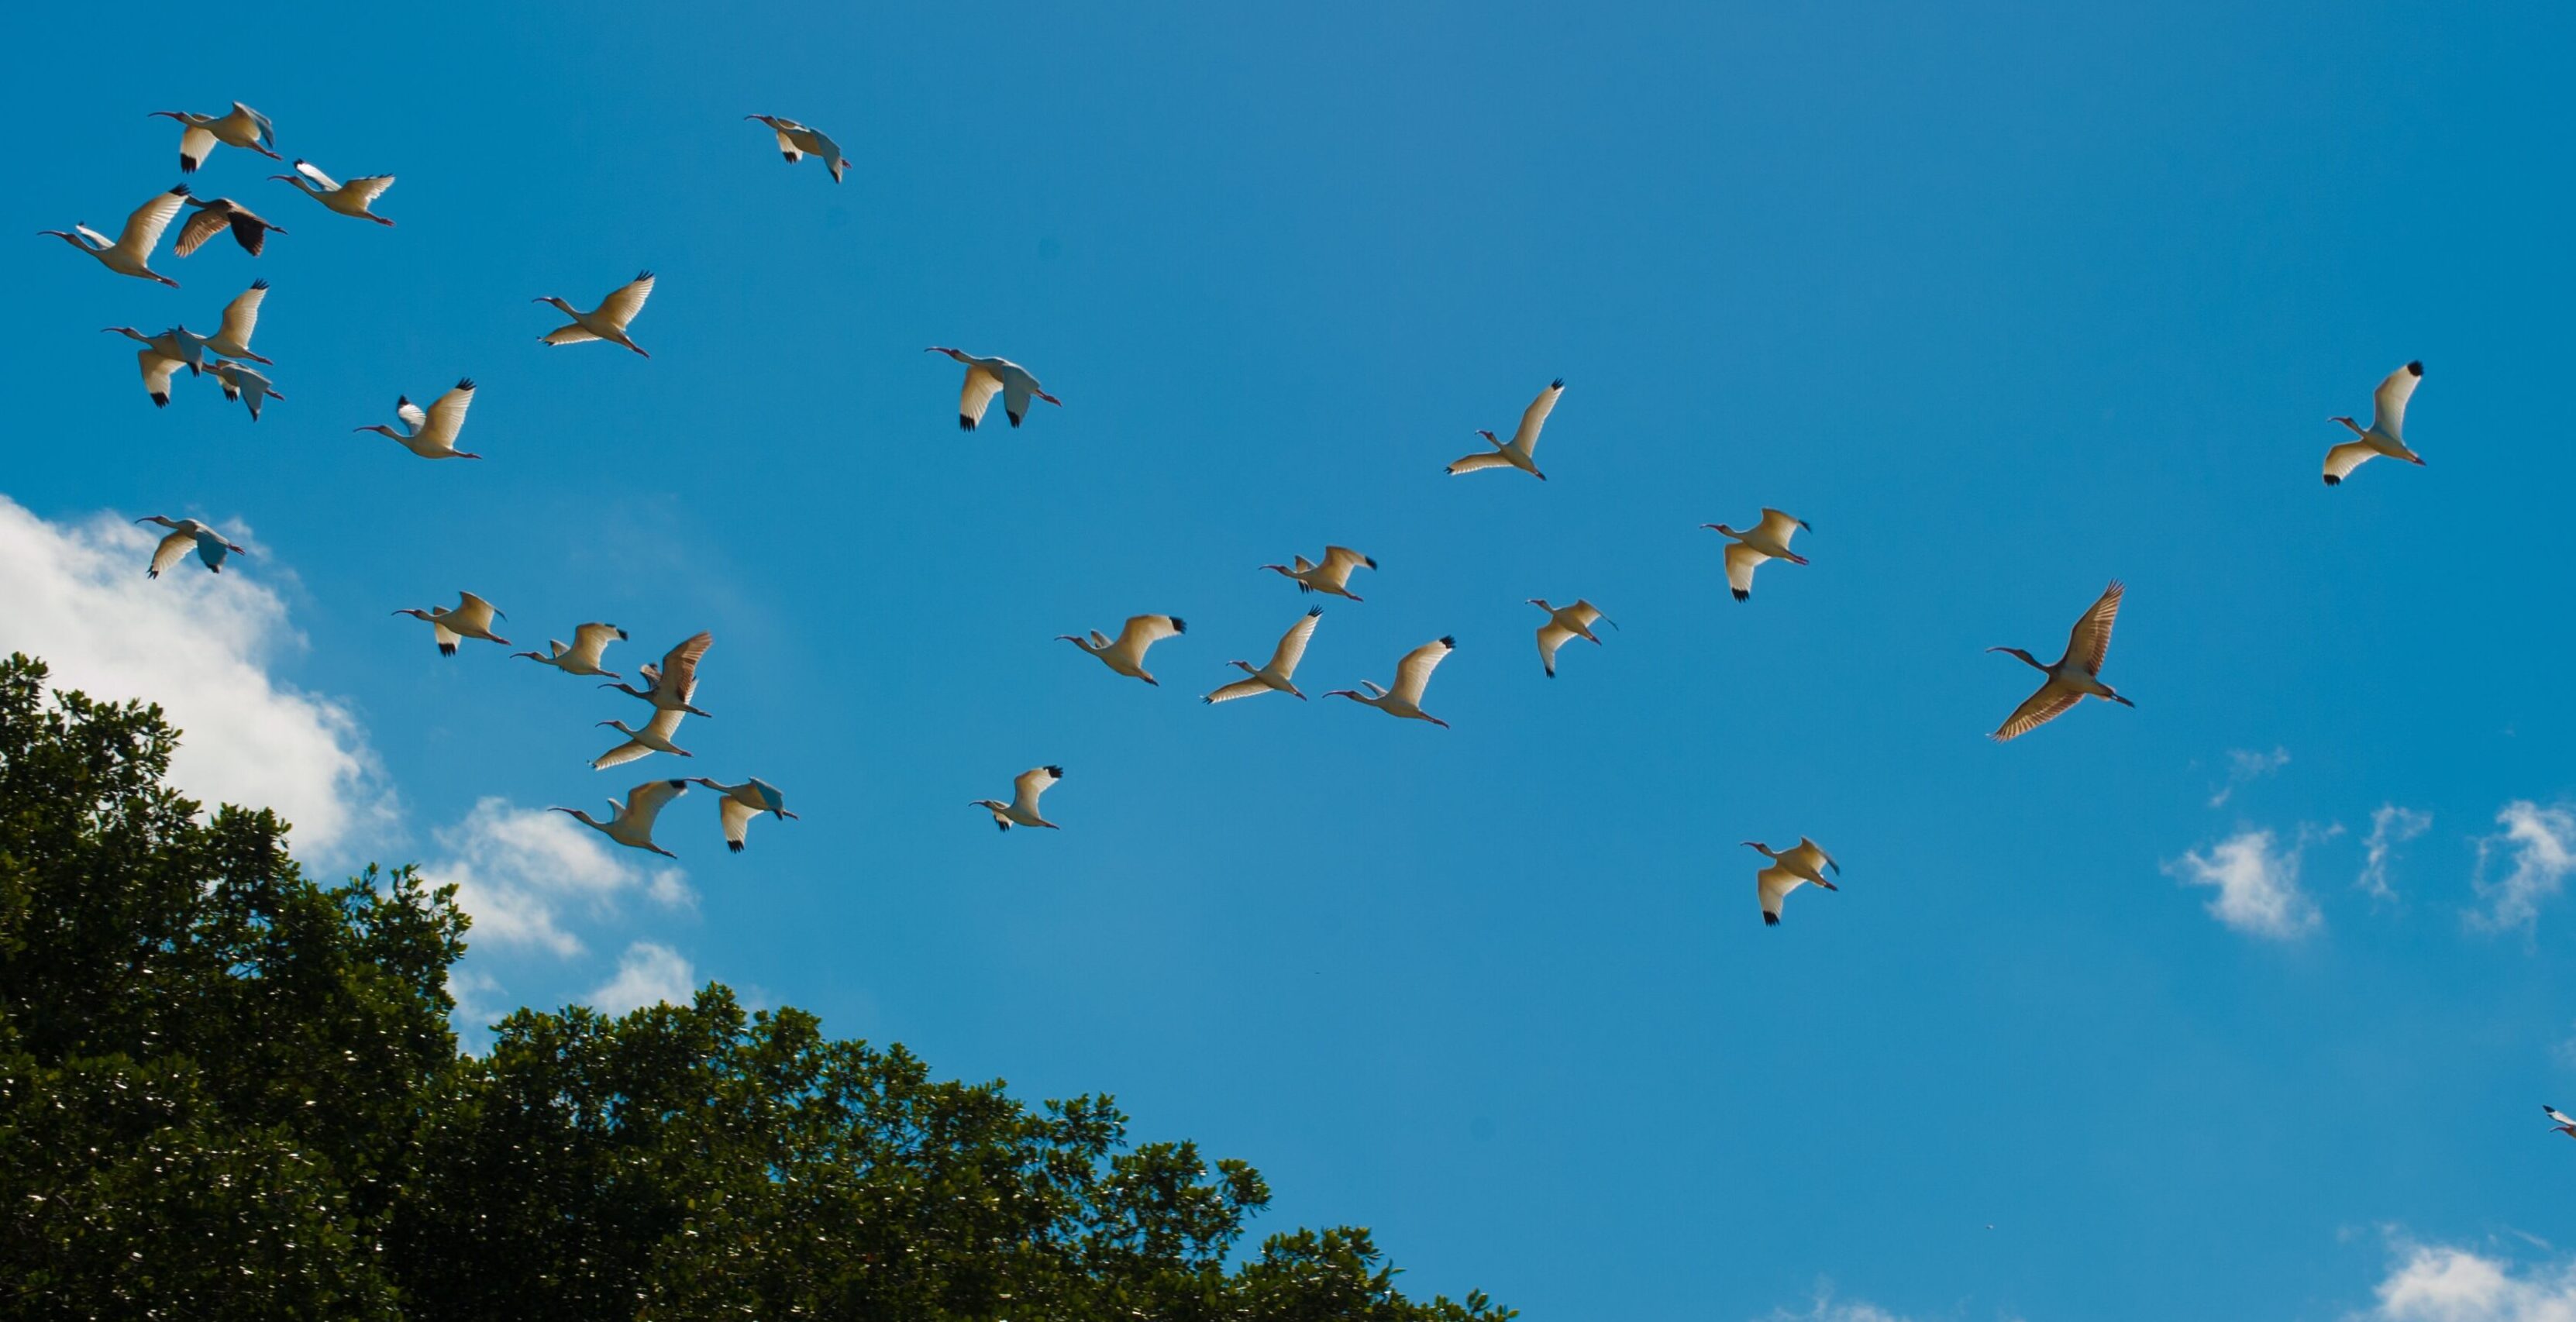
pixel 2245 765
pixel 2542 843
pixel 2257 883
pixel 202 646
pixel 525 874
pixel 647 974
pixel 2439 1283
pixel 2390 826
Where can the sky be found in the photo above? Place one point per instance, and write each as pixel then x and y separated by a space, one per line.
pixel 2241 1003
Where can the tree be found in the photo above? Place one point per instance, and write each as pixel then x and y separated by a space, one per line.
pixel 229 1092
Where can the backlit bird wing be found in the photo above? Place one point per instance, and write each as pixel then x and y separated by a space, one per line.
pixel 143 228
pixel 679 673
pixel 241 316
pixel 368 189
pixel 1774 884
pixel 572 334
pixel 1551 636
pixel 1341 559
pixel 2388 403
pixel 173 549
pixel 1030 784
pixel 1292 644
pixel 2091 640
pixel 626 300
pixel 1481 459
pixel 314 172
pixel 1413 673
pixel 1779 526
pixel 1741 561
pixel 619 756
pixel 194 142
pixel 157 371
pixel 589 640
pixel 1534 417
pixel 2049 703
pixel 201 226
pixel 981 386
pixel 2342 459
pixel 645 801
pixel 447 416
pixel 737 819
pixel 1241 688
pixel 1819 854
pixel 473 612
pixel 1143 631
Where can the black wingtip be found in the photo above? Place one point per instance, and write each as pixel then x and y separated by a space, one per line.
pixel 965 423
pixel 1557 384
pixel 447 649
pixel 2332 480
pixel 160 401
pixel 1315 612
pixel 1448 641
pixel 1014 417
pixel 465 383
pixel 643 275
pixel 1370 561
pixel 1741 595
pixel 1180 625
pixel 734 845
pixel 2415 368
pixel 1057 772
pixel 260 283
pixel 179 190
pixel 1770 919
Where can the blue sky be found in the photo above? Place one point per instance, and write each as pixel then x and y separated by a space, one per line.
pixel 2007 301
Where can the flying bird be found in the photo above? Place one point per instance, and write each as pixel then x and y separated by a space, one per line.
pixel 2074 674
pixel 2559 1121
pixel 1564 622
pixel 241 317
pixel 130 252
pixel 631 823
pixel 655 737
pixel 1127 654
pixel 1790 869
pixel 1767 540
pixel 1279 673
pixel 212 218
pixel 188 535
pixel 582 658
pixel 1412 674
pixel 240 382
pixel 2386 432
pixel 1022 810
pixel 349 199
pixel 431 433
pixel 163 355
pixel 605 322
pixel 796 142
pixel 672 684
pixel 987 377
pixel 1518 452
pixel 1333 576
pixel 743 802
pixel 241 127
pixel 471 618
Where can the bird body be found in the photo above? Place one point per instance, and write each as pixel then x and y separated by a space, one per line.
pixel 245 383
pixel 350 199
pixel 1333 576
pixel 1767 540
pixel 987 377
pixel 2386 433
pixel 582 658
pixel 1022 810
pixel 130 252
pixel 1790 868
pixel 214 217
pixel 605 322
pixel 743 802
pixel 1412 675
pixel 431 432
pixel 655 737
pixel 163 355
pixel 631 823
pixel 1520 451
pixel 239 127
pixel 1126 654
pixel 2559 1121
pixel 188 535
pixel 471 617
pixel 2072 677
pixel 671 685
pixel 1279 673
pixel 795 142
pixel 1563 623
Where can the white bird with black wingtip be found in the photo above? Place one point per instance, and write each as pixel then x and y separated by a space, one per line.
pixel 2386 433
pixel 589 641
pixel 796 142
pixel 471 617
pixel 239 127
pixel 655 737
pixel 352 199
pixel 1521 450
pixel 130 252
pixel 987 377
pixel 1790 868
pixel 1565 623
pixel 1278 675
pixel 1126 653
pixel 743 802
pixel 631 823
pixel 431 433
pixel 608 321
pixel 188 535
pixel 1022 810
pixel 672 685
pixel 1332 577
pixel 1412 675
pixel 1767 540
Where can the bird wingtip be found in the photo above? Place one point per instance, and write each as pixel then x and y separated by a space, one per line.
pixel 1448 640
pixel 2415 368
pixel 1741 594
pixel 734 845
pixel 1770 919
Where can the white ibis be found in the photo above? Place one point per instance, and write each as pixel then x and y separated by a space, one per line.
pixel 1790 869
pixel 1767 540
pixel 1333 576
pixel 349 199
pixel 188 535
pixel 743 802
pixel 1564 622
pixel 796 142
pixel 198 134
pixel 2073 676
pixel 163 355
pixel 2559 1121
pixel 1518 452
pixel 241 318
pixel 631 823
pixel 1411 675
pixel 1281 670
pixel 655 737
pixel 987 377
pixel 471 617
pixel 671 685
pixel 431 433
pixel 130 252
pixel 214 217
pixel 1126 654
pixel 240 382
pixel 582 658
pixel 605 322
pixel 2386 432
pixel 1022 810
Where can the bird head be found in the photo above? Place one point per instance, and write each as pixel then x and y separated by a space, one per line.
pixel 953 353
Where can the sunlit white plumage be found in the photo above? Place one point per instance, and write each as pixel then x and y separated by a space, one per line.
pixel 239 127
pixel 241 317
pixel 1566 622
pixel 1412 674
pixel 2387 429
pixel 471 617
pixel 1333 576
pixel 743 802
pixel 631 823
pixel 582 658
pixel 1022 810
pixel 1521 450
pixel 214 217
pixel 188 535
pixel 431 432
pixel 2074 675
pixel 796 141
pixel 1279 673
pixel 672 685
pixel 987 377
pixel 1767 540
pixel 1126 653
pixel 245 383
pixel 655 737
pixel 350 199
pixel 163 355
pixel 1790 868
pixel 2559 1121
pixel 130 252
pixel 607 321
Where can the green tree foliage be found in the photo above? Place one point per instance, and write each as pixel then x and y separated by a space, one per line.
pixel 229 1092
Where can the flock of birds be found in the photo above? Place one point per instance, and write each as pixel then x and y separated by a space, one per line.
pixel 670 687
